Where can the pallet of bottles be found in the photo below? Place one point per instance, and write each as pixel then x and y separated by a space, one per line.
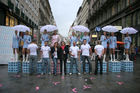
pixel 14 67
pixel 127 66
pixel 114 66
pixel 104 67
pixel 25 67
pixel 68 68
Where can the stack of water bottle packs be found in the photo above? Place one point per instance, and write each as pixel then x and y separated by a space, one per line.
pixel 104 67
pixel 68 67
pixel 14 67
pixel 25 67
pixel 115 66
pixel 127 66
pixel 58 67
pixel 86 67
pixel 39 67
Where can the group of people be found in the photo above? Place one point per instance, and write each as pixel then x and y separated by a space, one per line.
pixel 59 51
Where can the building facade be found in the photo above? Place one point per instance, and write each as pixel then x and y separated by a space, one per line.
pixel 14 12
pixel 125 13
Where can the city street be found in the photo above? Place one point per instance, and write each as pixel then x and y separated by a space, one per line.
pixel 124 82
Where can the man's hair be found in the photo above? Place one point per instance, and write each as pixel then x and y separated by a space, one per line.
pixel 34 40
pixel 99 42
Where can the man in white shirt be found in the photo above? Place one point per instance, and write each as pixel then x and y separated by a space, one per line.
pixel 86 52
pixel 45 54
pixel 32 51
pixel 75 54
pixel 99 51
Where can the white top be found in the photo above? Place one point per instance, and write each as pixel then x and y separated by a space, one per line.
pixel 99 49
pixel 55 54
pixel 85 49
pixel 74 51
pixel 33 49
pixel 45 50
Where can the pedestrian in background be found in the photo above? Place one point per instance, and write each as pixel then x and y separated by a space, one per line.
pixel 85 37
pixel 32 51
pixel 99 51
pixel 44 37
pixel 45 53
pixel 55 38
pixel 73 38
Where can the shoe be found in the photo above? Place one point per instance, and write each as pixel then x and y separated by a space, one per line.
pixel 55 74
pixel 49 73
pixel 90 73
pixel 95 73
pixel 101 73
pixel 70 73
pixel 42 73
pixel 84 73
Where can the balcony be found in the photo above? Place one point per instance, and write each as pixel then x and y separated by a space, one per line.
pixel 22 15
pixel 10 5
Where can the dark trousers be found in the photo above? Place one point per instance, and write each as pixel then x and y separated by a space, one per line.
pixel 84 58
pixel 61 65
pixel 96 64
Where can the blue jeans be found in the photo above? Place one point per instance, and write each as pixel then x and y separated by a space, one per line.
pixel 73 61
pixel 55 65
pixel 84 58
pixel 46 65
pixel 33 64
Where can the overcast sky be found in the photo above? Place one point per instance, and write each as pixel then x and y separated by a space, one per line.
pixel 64 12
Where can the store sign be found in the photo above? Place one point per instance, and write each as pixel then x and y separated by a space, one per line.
pixel 94 36
pixel 98 29
pixel 6 36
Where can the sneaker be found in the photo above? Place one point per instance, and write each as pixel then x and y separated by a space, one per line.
pixel 70 73
pixel 84 73
pixel 49 73
pixel 42 73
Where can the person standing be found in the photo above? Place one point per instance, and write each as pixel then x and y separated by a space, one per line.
pixel 112 45
pixel 45 53
pixel 99 51
pixel 64 51
pixel 104 41
pixel 73 39
pixel 55 52
pixel 44 37
pixel 127 43
pixel 86 52
pixel 85 37
pixel 27 40
pixel 55 38
pixel 75 54
pixel 32 51
pixel 15 46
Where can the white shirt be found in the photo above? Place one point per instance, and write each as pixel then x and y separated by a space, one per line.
pixel 45 50
pixel 99 49
pixel 85 49
pixel 33 49
pixel 74 51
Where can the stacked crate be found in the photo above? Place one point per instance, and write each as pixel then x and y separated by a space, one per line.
pixel 104 67
pixel 127 66
pixel 14 67
pixel 39 67
pixel 25 67
pixel 68 67
pixel 115 66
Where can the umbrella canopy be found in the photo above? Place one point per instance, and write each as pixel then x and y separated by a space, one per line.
pixel 129 30
pixel 80 28
pixel 110 28
pixel 21 28
pixel 49 28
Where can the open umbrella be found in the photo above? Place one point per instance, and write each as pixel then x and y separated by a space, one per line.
pixel 21 28
pixel 129 30
pixel 49 28
pixel 110 28
pixel 80 28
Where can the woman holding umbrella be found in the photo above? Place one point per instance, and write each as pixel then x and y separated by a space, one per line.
pixel 15 45
pixel 73 39
pixel 127 39
pixel 85 37
pixel 104 41
pixel 44 37
pixel 112 45
pixel 27 40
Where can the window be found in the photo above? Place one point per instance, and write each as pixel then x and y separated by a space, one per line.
pixel 138 15
pixel 128 21
pixel 134 19
pixel 7 20
pixel 128 2
pixel 119 6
